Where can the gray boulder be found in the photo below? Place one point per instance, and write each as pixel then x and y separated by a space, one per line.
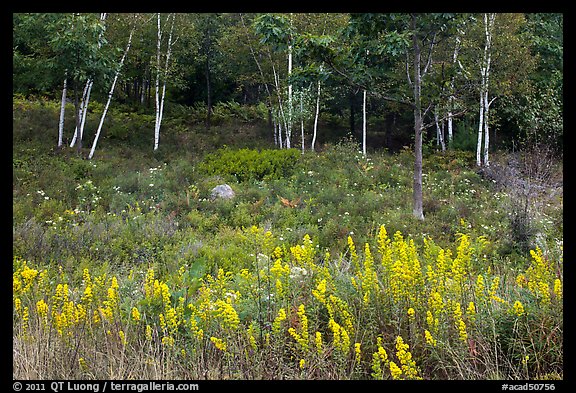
pixel 223 191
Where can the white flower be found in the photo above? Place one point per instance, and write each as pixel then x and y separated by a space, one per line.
pixel 151 184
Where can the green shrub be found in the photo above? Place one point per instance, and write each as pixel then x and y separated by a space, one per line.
pixel 249 164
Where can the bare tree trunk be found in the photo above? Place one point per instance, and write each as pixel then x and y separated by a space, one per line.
pixel 62 111
pixel 417 188
pixel 157 90
pixel 160 100
pixel 489 24
pixel 439 132
pixel 280 106
pixel 110 96
pixel 302 119
pixel 364 124
pixel 451 98
pixel 77 131
pixel 289 128
pixel 316 118
pixel 483 127
pixel 480 126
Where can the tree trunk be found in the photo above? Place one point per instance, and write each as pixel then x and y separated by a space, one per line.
pixel 77 118
pixel 168 52
pixel 208 87
pixel 208 96
pixel 78 134
pixel 110 96
pixel 289 128
pixel 483 126
pixel 451 98
pixel 364 123
pixel 313 146
pixel 489 23
pixel 62 111
pixel 157 90
pixel 352 115
pixel 417 189
pixel 439 132
pixel 302 119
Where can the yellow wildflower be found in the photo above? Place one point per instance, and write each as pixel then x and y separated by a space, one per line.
pixel 395 371
pixel 135 314
pixel 218 343
pixel 357 352
pixel 429 339
pixel 518 308
pixel 558 288
pixel 318 341
pixel 278 320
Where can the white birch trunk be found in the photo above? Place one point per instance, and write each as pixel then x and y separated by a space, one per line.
pixel 289 128
pixel 110 93
pixel 451 98
pixel 62 112
pixel 480 127
pixel 81 114
pixel 489 24
pixel 168 52
pixel 439 132
pixel 280 134
pixel 157 90
pixel 280 106
pixel 302 119
pixel 316 118
pixel 364 124
pixel 274 130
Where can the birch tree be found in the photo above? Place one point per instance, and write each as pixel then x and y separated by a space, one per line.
pixel 76 51
pixel 110 93
pixel 276 32
pixel 78 133
pixel 164 72
pixel 62 113
pixel 483 128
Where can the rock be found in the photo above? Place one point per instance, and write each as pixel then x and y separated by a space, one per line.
pixel 223 191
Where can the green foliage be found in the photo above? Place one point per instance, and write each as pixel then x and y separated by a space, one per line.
pixel 248 164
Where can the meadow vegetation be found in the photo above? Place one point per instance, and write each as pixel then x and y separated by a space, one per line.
pixel 124 268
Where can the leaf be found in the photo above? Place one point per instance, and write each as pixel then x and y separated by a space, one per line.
pixel 292 204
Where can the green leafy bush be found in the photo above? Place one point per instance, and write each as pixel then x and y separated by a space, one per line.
pixel 249 164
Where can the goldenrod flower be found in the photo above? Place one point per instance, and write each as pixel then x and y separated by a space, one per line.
pixel 302 363
pixel 218 343
pixel 42 309
pixel 558 288
pixel 411 312
pixel 357 352
pixel 168 341
pixel 320 291
pixel 395 371
pixel 429 339
pixel 462 330
pixel 278 321
pixel 471 311
pixel 135 314
pixel 518 308
pixel 318 341
pixel 82 364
